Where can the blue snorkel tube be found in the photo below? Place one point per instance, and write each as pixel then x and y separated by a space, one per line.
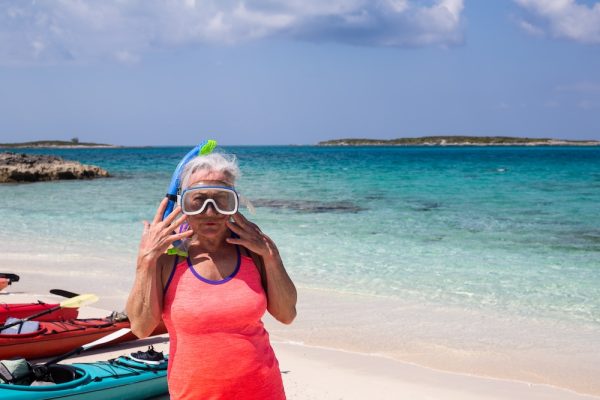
pixel 203 148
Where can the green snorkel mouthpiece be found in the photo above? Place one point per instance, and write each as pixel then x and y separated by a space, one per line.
pixel 208 147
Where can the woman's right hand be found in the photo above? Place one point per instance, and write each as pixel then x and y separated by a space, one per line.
pixel 159 235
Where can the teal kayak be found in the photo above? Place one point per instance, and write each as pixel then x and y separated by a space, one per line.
pixel 121 378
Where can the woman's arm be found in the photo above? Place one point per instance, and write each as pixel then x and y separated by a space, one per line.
pixel 144 305
pixel 281 292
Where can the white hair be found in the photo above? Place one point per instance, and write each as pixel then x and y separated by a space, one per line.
pixel 213 162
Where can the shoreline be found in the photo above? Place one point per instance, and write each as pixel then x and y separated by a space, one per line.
pixel 313 372
pixel 450 339
pixel 344 145
pixel 446 339
pixel 354 375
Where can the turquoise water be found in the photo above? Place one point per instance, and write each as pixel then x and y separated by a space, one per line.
pixel 510 229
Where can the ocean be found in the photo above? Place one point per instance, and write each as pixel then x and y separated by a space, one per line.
pixel 511 228
pixel 507 231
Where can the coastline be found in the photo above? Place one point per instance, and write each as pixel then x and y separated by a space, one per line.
pixel 355 376
pixel 312 372
pixel 107 146
pixel 467 144
pixel 450 339
pixel 433 339
pixel 459 140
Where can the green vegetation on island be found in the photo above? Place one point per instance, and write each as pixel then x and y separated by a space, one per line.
pixel 460 141
pixel 53 143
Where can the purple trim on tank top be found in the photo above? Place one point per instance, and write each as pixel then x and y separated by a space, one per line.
pixel 171 275
pixel 226 279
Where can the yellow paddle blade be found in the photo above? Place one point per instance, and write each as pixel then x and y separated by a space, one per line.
pixel 79 301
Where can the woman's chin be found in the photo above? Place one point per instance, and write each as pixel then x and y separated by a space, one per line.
pixel 210 230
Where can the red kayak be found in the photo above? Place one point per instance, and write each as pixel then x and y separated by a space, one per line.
pixel 26 309
pixel 55 338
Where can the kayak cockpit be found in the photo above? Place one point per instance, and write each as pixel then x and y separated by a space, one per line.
pixel 120 378
pixel 55 377
pixel 58 374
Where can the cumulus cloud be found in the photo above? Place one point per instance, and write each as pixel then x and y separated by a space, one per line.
pixel 568 19
pixel 80 30
pixel 530 28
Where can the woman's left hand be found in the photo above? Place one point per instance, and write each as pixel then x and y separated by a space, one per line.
pixel 251 237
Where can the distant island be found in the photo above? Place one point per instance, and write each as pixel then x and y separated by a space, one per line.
pixel 460 141
pixel 73 143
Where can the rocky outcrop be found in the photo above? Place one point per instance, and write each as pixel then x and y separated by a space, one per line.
pixel 16 168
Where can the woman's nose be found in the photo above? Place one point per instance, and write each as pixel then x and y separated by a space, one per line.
pixel 210 209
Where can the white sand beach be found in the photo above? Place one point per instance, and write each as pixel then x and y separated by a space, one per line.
pixel 311 372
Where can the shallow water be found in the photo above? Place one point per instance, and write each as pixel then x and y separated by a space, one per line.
pixel 509 229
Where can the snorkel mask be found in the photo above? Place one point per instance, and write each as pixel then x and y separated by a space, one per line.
pixel 196 199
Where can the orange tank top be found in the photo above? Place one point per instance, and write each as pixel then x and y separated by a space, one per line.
pixel 219 348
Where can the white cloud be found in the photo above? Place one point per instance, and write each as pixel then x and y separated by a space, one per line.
pixel 82 31
pixel 567 19
pixel 530 28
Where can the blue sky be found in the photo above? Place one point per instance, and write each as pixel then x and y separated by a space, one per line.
pixel 297 72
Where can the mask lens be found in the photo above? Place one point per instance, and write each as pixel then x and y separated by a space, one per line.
pixel 225 201
pixel 194 201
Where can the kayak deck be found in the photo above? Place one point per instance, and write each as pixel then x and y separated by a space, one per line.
pixel 55 338
pixel 24 310
pixel 121 378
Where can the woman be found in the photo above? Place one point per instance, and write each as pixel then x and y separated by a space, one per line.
pixel 213 300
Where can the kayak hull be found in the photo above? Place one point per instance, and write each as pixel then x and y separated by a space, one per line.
pixel 56 338
pixel 24 310
pixel 114 379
